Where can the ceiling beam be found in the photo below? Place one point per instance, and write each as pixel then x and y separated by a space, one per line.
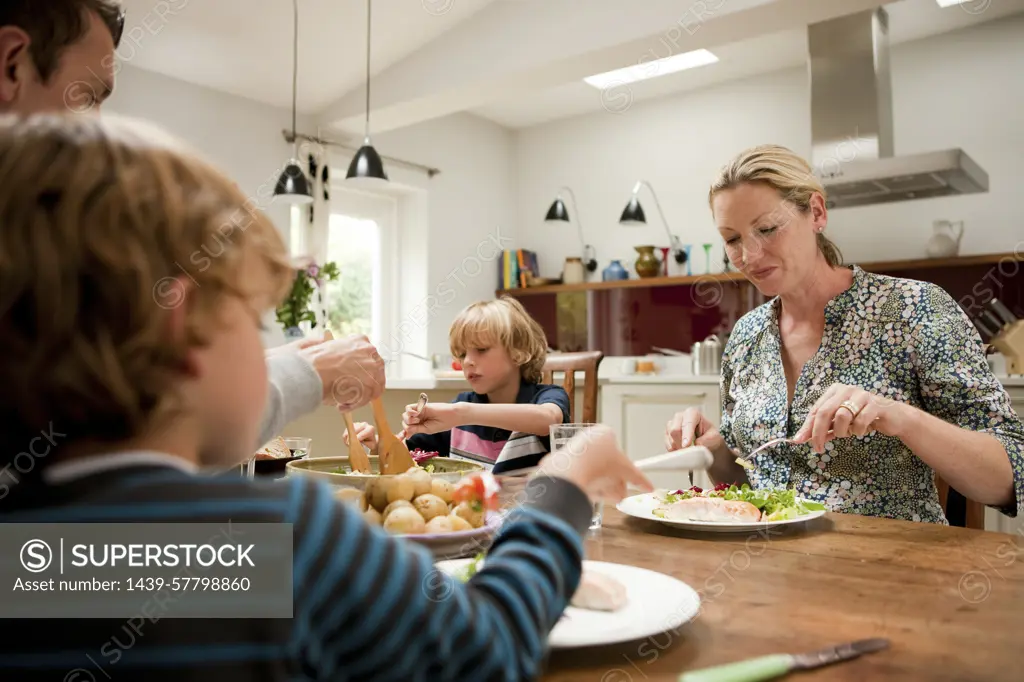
pixel 536 45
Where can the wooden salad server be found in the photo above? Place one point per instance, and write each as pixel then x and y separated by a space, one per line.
pixel 393 454
pixel 357 456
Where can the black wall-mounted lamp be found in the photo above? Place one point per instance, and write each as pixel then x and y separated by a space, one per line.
pixel 633 214
pixel 559 212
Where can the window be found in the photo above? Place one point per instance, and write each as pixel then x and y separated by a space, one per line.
pixel 354 299
pixel 358 236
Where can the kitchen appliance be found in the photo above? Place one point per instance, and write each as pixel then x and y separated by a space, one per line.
pixel 1009 338
pixel 851 122
pixel 945 242
pixel 706 356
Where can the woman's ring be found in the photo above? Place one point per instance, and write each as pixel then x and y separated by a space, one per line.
pixel 853 409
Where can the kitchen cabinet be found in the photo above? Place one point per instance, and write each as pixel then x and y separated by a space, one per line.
pixel 993 519
pixel 638 412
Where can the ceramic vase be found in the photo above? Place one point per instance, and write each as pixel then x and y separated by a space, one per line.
pixel 614 272
pixel 647 265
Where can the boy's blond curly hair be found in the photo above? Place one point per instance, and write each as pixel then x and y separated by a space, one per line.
pixel 505 322
pixel 104 226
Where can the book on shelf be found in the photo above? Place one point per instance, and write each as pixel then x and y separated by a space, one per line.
pixel 517 266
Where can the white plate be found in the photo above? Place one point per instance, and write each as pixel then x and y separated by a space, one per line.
pixel 655 603
pixel 641 507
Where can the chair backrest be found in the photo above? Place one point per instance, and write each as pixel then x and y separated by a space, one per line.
pixel 570 363
pixel 960 511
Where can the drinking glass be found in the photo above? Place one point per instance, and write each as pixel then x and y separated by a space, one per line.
pixel 299 446
pixel 561 434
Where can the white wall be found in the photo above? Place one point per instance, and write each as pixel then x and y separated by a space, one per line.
pixel 960 89
pixel 471 215
pixel 241 136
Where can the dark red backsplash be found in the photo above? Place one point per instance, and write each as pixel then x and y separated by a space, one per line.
pixel 630 321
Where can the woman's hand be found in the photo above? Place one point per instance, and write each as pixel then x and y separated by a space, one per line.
pixel 850 411
pixel 365 433
pixel 690 427
pixel 433 418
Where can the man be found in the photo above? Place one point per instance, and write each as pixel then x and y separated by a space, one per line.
pixel 58 55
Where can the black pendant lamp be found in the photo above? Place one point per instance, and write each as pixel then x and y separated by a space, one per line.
pixel 558 211
pixel 367 162
pixel 293 185
pixel 633 214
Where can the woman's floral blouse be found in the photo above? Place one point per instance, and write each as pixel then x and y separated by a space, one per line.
pixel 900 338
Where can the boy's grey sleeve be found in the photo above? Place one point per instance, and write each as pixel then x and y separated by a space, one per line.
pixel 295 390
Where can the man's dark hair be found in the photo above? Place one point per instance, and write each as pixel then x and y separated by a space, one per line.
pixel 54 25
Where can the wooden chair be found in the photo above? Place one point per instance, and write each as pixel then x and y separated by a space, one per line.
pixel 960 511
pixel 570 363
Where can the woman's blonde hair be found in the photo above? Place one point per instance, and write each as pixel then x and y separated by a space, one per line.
pixel 106 226
pixel 504 322
pixel 788 173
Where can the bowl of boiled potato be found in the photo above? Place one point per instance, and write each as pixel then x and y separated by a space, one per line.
pixel 424 509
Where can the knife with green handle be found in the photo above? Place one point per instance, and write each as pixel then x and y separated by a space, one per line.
pixel 776 665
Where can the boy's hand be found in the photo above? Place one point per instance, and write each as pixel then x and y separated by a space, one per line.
pixel 593 461
pixel 365 432
pixel 433 418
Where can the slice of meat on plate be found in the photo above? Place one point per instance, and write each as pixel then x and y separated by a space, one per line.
pixel 710 509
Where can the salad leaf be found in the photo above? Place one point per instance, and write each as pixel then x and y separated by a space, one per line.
pixel 471 568
pixel 777 504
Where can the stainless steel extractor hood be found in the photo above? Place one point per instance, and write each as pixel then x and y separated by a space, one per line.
pixel 851 122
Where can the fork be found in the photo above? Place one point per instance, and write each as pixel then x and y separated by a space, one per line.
pixel 772 443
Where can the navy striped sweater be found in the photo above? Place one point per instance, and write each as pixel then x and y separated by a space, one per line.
pixel 367 606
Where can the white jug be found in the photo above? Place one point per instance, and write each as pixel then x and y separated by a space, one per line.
pixel 945 242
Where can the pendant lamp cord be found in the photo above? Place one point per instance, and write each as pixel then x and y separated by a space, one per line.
pixel 368 4
pixel 295 69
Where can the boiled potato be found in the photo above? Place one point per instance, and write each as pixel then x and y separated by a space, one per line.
pixel 373 517
pixel 401 487
pixel 405 521
pixel 458 523
pixel 430 506
pixel 421 480
pixel 440 524
pixel 352 496
pixel 377 494
pixel 466 511
pixel 442 488
pixel 395 505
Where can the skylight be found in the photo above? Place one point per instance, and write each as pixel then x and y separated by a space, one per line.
pixel 652 69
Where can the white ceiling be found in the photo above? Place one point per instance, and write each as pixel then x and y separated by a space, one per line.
pixel 231 46
pixel 517 62
pixel 908 20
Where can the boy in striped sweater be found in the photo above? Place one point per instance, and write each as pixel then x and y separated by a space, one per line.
pixel 132 281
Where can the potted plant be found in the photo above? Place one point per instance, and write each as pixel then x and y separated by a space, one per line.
pixel 296 308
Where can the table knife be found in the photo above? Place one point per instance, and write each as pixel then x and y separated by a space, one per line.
pixel 775 665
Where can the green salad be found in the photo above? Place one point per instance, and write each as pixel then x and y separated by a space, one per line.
pixel 470 569
pixel 780 504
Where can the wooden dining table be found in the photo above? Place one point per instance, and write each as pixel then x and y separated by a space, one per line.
pixel 949 600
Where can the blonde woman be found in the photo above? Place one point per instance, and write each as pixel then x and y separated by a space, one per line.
pixel 504 421
pixel 882 381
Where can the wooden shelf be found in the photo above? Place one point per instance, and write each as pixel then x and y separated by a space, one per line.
pixel 880 266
